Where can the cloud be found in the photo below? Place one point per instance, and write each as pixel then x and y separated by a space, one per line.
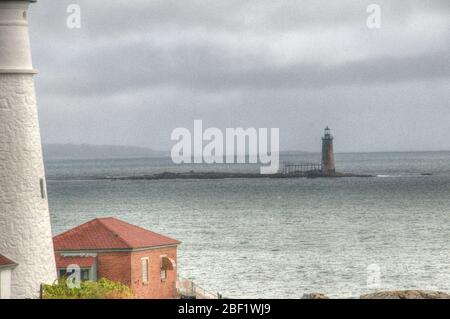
pixel 146 66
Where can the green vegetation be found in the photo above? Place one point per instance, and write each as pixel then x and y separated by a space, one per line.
pixel 103 289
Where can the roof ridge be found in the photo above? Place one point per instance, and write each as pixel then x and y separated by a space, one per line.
pixel 76 227
pixel 111 230
pixel 141 228
pixel 110 233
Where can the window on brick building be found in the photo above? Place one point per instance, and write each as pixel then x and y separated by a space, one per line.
pixel 63 273
pixel 163 274
pixel 84 274
pixel 166 264
pixel 144 262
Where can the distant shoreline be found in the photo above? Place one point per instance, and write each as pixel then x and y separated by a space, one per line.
pixel 61 152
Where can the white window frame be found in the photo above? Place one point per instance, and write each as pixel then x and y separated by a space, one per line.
pixel 145 270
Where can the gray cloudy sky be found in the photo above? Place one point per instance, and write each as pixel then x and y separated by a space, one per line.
pixel 138 69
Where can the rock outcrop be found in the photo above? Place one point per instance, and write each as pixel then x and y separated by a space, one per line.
pixel 398 294
pixel 407 294
pixel 315 295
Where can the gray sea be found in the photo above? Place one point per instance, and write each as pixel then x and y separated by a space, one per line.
pixel 280 238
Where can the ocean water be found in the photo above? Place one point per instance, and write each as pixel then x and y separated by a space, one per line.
pixel 280 238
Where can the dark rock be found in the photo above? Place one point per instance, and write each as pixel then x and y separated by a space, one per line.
pixel 314 295
pixel 407 294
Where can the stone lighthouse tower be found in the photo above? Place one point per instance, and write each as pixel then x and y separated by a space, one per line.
pixel 328 164
pixel 25 232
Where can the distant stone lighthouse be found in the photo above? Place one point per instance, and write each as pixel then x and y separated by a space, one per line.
pixel 328 164
pixel 25 232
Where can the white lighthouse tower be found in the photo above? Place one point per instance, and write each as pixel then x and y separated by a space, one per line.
pixel 25 232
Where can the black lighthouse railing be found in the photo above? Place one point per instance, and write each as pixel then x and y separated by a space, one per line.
pixel 300 168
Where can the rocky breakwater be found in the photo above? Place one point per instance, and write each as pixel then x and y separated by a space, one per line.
pixel 223 175
pixel 397 294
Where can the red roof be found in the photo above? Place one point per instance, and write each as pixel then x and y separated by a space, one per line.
pixel 66 261
pixel 109 233
pixel 6 262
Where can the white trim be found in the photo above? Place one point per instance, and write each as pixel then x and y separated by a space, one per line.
pixel 113 250
pixel 5 283
pixel 145 279
pixel 84 255
pixel 18 71
pixel 10 266
pixel 14 23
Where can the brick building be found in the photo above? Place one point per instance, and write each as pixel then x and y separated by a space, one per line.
pixel 7 266
pixel 109 248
